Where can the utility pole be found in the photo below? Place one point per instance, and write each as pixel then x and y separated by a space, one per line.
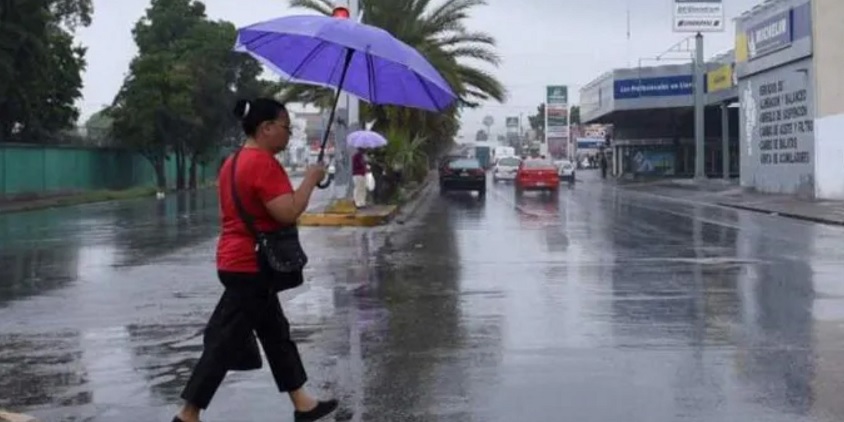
pixel 628 34
pixel 353 104
pixel 700 98
pixel 725 140
pixel 341 150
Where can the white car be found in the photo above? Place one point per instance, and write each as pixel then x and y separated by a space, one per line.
pixel 566 170
pixel 505 168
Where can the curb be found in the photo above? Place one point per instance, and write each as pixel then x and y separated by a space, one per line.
pixel 792 215
pixel 323 219
pixel 732 205
pixel 412 203
pixel 15 417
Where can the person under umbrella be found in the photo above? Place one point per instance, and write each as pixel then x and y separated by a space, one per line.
pixel 338 52
pixel 362 140
pixel 252 180
pixel 359 171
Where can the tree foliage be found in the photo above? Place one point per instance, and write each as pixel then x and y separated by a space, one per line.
pixel 440 33
pixel 177 97
pixel 481 136
pixel 537 121
pixel 40 66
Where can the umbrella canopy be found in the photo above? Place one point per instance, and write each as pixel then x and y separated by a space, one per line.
pixel 367 61
pixel 365 139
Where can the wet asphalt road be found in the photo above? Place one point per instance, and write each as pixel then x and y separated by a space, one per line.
pixel 596 305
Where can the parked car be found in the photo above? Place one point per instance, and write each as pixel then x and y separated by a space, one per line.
pixel 566 170
pixel 464 174
pixel 505 168
pixel 537 174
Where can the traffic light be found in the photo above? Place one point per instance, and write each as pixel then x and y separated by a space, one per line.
pixel 340 12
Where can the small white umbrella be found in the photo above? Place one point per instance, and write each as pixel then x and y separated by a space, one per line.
pixel 365 139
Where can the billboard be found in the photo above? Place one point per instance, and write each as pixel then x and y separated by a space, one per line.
pixel 698 16
pixel 557 119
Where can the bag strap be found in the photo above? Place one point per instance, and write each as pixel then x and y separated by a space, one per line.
pixel 247 219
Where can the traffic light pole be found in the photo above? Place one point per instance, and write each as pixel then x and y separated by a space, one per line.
pixel 352 123
pixel 353 105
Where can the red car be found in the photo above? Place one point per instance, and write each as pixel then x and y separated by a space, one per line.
pixel 537 174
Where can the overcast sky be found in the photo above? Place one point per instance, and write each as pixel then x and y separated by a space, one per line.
pixel 541 42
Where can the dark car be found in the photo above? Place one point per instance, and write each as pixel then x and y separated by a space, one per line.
pixel 447 159
pixel 464 174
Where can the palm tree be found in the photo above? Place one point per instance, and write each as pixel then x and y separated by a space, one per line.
pixel 440 34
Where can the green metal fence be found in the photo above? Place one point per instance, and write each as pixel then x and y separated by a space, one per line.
pixel 39 170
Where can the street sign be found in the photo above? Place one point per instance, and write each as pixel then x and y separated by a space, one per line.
pixel 557 95
pixel 512 122
pixel 556 119
pixel 698 16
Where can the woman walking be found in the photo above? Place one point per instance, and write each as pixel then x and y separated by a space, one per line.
pixel 254 180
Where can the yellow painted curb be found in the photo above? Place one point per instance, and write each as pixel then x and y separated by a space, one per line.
pixel 367 218
pixel 15 417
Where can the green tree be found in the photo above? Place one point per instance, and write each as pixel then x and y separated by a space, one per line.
pixel 181 88
pixel 574 115
pixel 40 65
pixel 98 128
pixel 440 34
pixel 537 121
pixel 481 135
pixel 141 111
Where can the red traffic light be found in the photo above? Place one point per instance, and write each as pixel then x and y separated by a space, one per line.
pixel 340 13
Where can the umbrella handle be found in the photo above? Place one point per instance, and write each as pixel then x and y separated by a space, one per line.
pixel 325 183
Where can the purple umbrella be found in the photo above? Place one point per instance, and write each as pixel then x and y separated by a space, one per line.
pixel 362 60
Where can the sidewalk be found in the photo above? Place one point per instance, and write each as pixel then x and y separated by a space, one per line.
pixel 729 194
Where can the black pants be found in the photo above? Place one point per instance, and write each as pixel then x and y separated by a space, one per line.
pixel 247 306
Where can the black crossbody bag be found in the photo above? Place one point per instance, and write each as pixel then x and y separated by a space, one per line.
pixel 280 255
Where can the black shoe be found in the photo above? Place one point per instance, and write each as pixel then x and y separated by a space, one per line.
pixel 177 419
pixel 322 409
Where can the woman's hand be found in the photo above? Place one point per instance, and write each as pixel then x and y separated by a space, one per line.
pixel 287 208
pixel 315 173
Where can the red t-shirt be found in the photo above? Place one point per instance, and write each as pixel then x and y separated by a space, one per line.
pixel 260 179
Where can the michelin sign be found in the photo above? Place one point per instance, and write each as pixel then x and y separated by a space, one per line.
pixel 769 36
pixel 698 16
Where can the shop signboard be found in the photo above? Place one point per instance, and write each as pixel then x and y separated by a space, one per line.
pixel 769 36
pixel 664 86
pixel 720 79
pixel 698 16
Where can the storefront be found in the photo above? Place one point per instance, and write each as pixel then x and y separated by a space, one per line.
pixel 776 87
pixel 651 112
pixel 789 62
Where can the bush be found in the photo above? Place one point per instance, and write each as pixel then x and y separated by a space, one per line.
pixel 403 161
